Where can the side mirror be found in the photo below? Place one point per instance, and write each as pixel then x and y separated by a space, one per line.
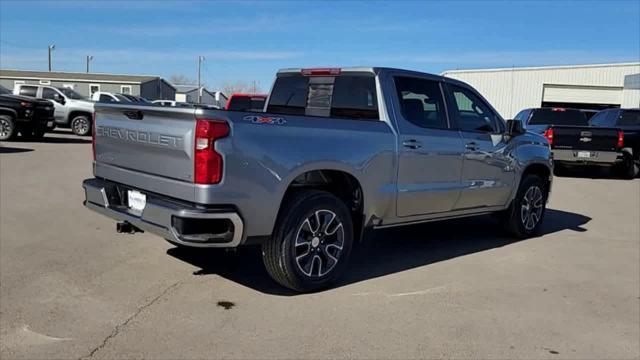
pixel 514 128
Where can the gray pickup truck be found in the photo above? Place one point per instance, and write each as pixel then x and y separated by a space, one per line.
pixel 337 151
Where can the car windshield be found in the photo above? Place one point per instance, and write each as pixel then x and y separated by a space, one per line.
pixel 558 116
pixel 71 94
pixel 4 91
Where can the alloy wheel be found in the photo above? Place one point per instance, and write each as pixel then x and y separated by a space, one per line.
pixel 531 208
pixel 319 243
pixel 81 126
pixel 5 128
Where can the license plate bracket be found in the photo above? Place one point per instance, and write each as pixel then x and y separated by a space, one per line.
pixel 584 154
pixel 136 200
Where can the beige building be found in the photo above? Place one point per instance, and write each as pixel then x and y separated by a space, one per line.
pixel 599 86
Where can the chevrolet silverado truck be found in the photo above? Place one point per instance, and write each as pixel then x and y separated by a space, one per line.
pixel 337 152
pixel 23 115
pixel 574 142
pixel 71 109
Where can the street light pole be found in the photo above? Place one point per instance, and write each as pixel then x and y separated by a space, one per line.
pixel 51 48
pixel 200 60
pixel 89 58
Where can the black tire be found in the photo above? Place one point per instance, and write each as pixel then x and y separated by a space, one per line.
pixel 7 128
pixel 629 168
pixel 518 218
pixel 314 229
pixel 81 125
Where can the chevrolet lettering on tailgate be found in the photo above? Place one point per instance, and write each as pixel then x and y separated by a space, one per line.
pixel 145 137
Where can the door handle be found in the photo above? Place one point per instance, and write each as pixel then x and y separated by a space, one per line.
pixel 471 146
pixel 412 144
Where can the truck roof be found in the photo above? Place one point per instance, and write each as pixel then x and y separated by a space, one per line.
pixel 374 70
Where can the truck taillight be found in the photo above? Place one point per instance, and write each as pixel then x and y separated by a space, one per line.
pixel 620 143
pixel 549 135
pixel 93 135
pixel 207 161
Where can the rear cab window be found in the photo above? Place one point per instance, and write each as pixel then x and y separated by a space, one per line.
pixel 347 95
pixel 247 102
pixel 558 116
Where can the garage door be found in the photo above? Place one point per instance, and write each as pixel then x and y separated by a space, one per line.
pixel 582 94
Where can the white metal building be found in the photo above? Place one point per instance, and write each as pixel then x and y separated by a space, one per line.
pixel 598 86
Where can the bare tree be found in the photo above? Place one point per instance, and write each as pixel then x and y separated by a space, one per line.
pixel 231 87
pixel 178 79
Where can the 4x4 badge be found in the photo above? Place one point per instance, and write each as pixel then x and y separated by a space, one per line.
pixel 268 120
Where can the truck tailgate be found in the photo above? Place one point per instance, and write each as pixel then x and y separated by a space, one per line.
pixel 148 139
pixel 585 138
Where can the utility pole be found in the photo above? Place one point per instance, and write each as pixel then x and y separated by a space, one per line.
pixel 89 58
pixel 200 60
pixel 51 48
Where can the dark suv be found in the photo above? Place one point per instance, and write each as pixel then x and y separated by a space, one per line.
pixel 24 115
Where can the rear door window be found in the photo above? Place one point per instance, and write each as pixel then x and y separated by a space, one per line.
pixel 558 116
pixel 30 91
pixel 421 102
pixel 343 96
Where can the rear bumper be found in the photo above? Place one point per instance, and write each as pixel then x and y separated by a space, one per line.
pixel 596 158
pixel 164 217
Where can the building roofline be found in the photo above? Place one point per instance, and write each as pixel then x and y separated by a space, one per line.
pixel 81 73
pixel 550 67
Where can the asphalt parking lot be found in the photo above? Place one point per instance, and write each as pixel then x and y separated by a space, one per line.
pixel 71 287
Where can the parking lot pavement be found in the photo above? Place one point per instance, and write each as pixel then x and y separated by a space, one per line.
pixel 70 287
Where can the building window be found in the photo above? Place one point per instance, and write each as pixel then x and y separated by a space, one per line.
pixel 45 82
pixel 125 89
pixel 93 88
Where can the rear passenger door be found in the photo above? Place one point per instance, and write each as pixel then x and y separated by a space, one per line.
pixel 429 151
pixel 488 170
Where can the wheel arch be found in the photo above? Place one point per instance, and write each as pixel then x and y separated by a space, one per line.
pixel 337 180
pixel 8 111
pixel 74 113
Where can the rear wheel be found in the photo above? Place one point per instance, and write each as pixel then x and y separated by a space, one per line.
pixel 80 125
pixel 7 127
pixel 524 217
pixel 629 168
pixel 312 242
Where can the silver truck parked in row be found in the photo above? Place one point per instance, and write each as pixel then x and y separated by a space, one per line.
pixel 337 151
pixel 70 108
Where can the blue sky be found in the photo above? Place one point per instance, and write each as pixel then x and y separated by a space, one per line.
pixel 251 40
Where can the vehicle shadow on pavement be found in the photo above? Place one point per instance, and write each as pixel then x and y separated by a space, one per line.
pixel 13 150
pixel 384 252
pixel 590 172
pixel 58 140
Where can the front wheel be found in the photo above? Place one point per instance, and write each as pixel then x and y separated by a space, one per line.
pixel 311 243
pixel 80 125
pixel 7 127
pixel 526 212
